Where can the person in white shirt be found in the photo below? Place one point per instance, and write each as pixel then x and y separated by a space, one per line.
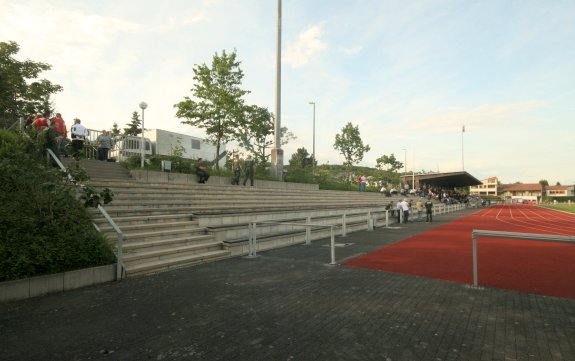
pixel 79 134
pixel 405 207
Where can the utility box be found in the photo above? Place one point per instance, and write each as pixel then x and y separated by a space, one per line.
pixel 166 166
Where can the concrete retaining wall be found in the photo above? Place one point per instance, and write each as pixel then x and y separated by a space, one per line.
pixel 59 282
pixel 179 178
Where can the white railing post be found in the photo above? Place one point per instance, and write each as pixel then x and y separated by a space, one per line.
pixel 386 218
pixel 369 222
pixel 343 226
pixel 474 240
pixel 332 245
pixel 308 231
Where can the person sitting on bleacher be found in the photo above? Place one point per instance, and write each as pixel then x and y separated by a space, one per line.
pixel 201 171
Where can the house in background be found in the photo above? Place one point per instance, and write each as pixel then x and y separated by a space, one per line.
pixel 487 188
pixel 560 191
pixel 521 192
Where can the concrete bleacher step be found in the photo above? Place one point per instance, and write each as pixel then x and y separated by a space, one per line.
pixel 147 268
pixel 154 228
pixel 149 219
pixel 100 170
pixel 199 240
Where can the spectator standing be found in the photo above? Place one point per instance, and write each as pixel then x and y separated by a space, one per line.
pixel 237 171
pixel 399 211
pixel 405 208
pixel 79 134
pixel 202 171
pixel 62 132
pixel 428 210
pixel 419 207
pixel 104 142
pixel 249 169
pixel 363 183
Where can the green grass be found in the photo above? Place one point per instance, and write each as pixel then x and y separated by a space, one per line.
pixel 561 207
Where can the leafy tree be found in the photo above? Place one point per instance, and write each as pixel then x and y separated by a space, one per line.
pixel 350 145
pixel 21 93
pixel 218 106
pixel 135 126
pixel 544 182
pixel 300 159
pixel 388 163
pixel 558 184
pixel 256 134
pixel 115 132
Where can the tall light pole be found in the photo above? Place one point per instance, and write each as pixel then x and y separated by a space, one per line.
pixel 143 106
pixel 462 160
pixel 313 151
pixel 405 164
pixel 277 153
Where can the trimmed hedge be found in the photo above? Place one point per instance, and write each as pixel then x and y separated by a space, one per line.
pixel 44 229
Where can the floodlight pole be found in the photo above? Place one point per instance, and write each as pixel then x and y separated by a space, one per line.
pixel 143 106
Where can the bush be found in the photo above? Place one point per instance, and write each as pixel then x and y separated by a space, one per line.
pixel 44 229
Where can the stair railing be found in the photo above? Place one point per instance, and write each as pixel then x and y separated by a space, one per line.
pixel 119 233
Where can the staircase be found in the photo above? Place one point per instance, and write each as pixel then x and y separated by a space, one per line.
pixel 156 238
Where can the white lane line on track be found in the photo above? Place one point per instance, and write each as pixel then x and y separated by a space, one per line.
pixel 530 226
pixel 549 219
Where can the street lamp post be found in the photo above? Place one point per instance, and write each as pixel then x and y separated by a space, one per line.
pixel 313 150
pixel 143 106
pixel 405 164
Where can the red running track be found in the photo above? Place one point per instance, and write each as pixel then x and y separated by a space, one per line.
pixel 445 252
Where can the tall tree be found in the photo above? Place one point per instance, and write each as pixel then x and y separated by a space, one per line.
pixel 256 133
pixel 115 132
pixel 544 182
pixel 21 93
pixel 350 145
pixel 135 126
pixel 301 159
pixel 388 163
pixel 218 107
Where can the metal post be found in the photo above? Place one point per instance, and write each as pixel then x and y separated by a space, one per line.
pixel 369 222
pixel 386 218
pixel 254 237
pixel 474 259
pixel 332 243
pixel 120 257
pixel 343 226
pixel 308 231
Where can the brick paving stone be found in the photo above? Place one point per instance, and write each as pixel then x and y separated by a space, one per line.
pixel 289 304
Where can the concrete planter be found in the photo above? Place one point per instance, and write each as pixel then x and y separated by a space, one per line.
pixel 59 282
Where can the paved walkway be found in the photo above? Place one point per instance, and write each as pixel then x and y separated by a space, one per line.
pixel 289 304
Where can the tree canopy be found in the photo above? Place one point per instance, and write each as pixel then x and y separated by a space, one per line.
pixel 21 92
pixel 350 145
pixel 218 105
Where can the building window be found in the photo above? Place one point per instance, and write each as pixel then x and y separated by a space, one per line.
pixel 195 144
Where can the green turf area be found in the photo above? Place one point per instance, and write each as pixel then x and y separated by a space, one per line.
pixel 561 207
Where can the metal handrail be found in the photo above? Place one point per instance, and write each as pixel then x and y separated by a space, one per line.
pixel 511 235
pixel 120 234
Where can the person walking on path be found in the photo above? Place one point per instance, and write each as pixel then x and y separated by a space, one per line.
pixel 104 142
pixel 249 170
pixel 237 171
pixel 79 134
pixel 428 210
pixel 62 132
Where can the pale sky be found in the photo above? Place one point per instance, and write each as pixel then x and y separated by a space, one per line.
pixel 410 74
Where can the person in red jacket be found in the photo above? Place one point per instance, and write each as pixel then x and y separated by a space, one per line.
pixel 62 133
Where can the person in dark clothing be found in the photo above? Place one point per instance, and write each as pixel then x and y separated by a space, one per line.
pixel 249 170
pixel 428 210
pixel 202 171
pixel 237 170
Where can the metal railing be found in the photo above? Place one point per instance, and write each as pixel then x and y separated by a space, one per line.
pixel 511 235
pixel 371 220
pixel 120 235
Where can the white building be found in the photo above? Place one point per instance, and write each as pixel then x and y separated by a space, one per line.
pixel 487 188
